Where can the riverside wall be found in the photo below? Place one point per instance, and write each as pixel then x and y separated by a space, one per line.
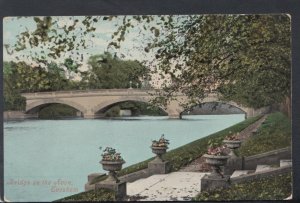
pixel 17 115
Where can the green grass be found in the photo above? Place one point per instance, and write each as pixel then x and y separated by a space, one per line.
pixel 274 134
pixel 99 195
pixel 271 188
pixel 185 154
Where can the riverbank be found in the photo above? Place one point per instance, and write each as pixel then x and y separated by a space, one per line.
pixel 178 157
pixel 274 125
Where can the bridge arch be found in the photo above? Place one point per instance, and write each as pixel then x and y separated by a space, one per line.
pixel 36 106
pixel 230 105
pixel 104 106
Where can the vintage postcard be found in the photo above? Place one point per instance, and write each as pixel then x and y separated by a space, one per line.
pixel 147 107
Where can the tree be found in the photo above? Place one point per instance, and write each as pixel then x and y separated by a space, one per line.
pixel 108 72
pixel 12 98
pixel 27 78
pixel 246 58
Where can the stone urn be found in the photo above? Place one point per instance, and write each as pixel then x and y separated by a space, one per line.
pixel 112 167
pixel 159 151
pixel 232 145
pixel 216 162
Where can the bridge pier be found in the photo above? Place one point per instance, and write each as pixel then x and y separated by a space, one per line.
pixel 175 116
pixel 250 112
pixel 92 116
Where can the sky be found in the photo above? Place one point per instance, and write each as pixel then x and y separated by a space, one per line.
pixel 130 48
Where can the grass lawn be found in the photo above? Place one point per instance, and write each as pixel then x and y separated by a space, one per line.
pixel 275 133
pixel 276 187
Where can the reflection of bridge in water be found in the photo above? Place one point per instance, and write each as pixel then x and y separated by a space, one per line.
pixel 93 103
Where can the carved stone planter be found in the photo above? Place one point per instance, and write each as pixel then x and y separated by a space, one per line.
pixel 232 145
pixel 159 151
pixel 216 162
pixel 112 167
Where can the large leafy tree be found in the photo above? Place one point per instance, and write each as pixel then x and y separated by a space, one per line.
pixel 246 58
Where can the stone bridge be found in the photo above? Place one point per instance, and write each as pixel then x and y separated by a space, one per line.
pixel 93 103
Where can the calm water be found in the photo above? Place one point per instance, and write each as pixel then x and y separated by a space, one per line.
pixel 49 159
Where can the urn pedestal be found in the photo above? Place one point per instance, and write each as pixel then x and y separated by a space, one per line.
pixel 158 165
pixel 232 145
pixel 216 162
pixel 112 167
pixel 209 183
pixel 112 182
pixel 159 151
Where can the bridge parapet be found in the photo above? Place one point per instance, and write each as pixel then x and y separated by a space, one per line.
pixel 76 93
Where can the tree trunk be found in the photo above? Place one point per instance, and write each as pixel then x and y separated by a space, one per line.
pixel 285 107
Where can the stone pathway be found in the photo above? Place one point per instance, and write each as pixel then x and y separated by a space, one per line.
pixel 166 187
pixel 199 165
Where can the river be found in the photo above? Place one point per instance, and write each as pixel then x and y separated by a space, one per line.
pixel 45 160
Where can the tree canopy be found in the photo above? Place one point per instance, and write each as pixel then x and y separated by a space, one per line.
pixel 109 72
pixel 245 58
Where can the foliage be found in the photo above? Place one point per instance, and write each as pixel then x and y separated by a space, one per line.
pixel 217 151
pixel 100 195
pixel 71 65
pixel 275 187
pixel 110 154
pixel 27 78
pixel 233 137
pixel 55 39
pixel 109 72
pixel 274 133
pixel 246 58
pixel 14 101
pixel 12 97
pixel 57 78
pixel 162 142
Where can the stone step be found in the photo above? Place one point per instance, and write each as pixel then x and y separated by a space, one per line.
pixel 285 162
pixel 169 187
pixel 137 181
pixel 260 168
pixel 237 173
